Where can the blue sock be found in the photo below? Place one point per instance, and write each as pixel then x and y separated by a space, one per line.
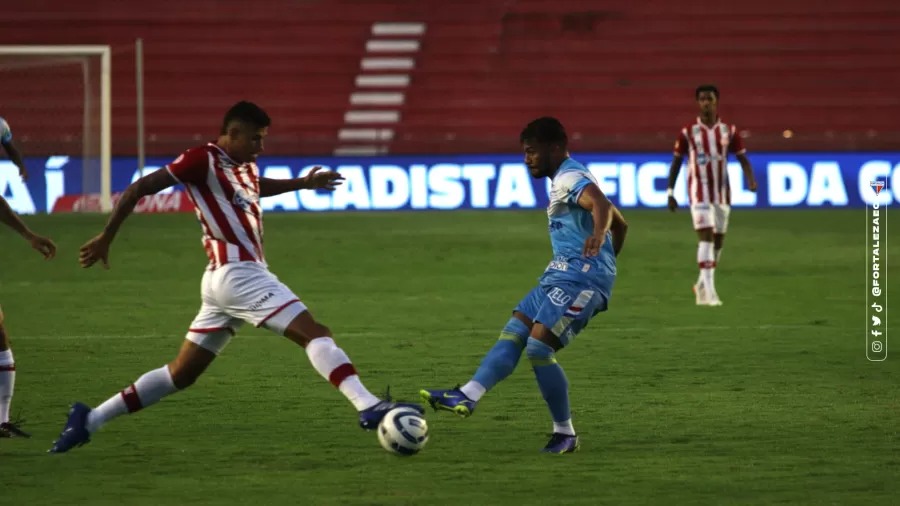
pixel 551 379
pixel 502 359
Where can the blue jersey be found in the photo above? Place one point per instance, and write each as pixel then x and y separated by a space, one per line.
pixel 570 225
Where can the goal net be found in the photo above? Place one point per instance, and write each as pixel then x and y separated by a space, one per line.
pixel 57 101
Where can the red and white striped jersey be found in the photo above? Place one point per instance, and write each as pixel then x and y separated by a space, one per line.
pixel 708 148
pixel 225 195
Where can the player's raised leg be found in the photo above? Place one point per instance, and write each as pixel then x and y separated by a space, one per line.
pixel 333 364
pixel 197 352
pixel 499 362
pixel 7 385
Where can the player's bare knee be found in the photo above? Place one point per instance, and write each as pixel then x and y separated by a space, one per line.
pixel 184 375
pixel 546 336
pixel 705 234
pixel 524 319
pixel 719 240
pixel 304 328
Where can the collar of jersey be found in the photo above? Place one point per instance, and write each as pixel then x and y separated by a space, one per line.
pixel 220 150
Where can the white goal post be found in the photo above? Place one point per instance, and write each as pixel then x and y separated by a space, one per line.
pixel 105 54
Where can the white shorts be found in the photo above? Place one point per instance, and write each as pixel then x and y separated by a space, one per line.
pixel 236 293
pixel 713 216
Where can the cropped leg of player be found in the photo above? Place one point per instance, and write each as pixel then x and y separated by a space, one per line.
pixel 705 288
pixel 704 217
pixel 721 214
pixel 565 311
pixel 197 352
pixel 333 364
pixel 718 242
pixel 541 350
pixel 7 385
pixel 499 362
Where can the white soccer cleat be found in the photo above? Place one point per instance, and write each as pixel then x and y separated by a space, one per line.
pixel 700 294
pixel 704 298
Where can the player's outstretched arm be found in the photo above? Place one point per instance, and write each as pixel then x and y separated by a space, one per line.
pixel 748 171
pixel 317 179
pixel 592 199
pixel 16 158
pixel 9 218
pixel 97 249
pixel 674 169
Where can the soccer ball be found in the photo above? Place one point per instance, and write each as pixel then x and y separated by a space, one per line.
pixel 403 431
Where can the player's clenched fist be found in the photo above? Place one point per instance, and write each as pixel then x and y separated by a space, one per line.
pixel 592 246
pixel 97 249
pixel 672 203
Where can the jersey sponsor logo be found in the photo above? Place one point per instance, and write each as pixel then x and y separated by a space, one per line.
pixel 702 159
pixel 558 266
pixel 555 225
pixel 558 297
pixel 244 199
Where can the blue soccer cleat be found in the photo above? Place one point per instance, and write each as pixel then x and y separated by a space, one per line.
pixel 561 443
pixel 75 432
pixel 449 400
pixel 371 417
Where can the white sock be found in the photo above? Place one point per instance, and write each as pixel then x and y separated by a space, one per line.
pixel 7 383
pixel 334 365
pixel 564 427
pixel 706 262
pixel 473 390
pixel 146 391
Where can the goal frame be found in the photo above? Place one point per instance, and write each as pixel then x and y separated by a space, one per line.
pixel 105 54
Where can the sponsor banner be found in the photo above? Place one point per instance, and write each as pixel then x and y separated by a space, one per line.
pixel 786 180
pixel 170 202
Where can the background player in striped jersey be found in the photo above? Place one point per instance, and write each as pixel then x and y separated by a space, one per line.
pixel 707 142
pixel 43 245
pixel 222 180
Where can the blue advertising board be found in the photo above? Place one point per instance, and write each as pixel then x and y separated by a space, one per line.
pixel 786 180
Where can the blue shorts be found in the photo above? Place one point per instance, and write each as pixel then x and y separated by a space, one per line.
pixel 563 307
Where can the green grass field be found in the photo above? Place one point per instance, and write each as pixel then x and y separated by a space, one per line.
pixel 768 399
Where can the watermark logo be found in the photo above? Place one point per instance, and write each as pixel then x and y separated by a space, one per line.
pixel 876 278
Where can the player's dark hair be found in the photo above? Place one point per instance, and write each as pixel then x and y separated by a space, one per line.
pixel 706 87
pixel 545 130
pixel 246 112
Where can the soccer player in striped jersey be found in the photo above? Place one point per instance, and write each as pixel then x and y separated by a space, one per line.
pixel 223 182
pixel 45 247
pixel 707 143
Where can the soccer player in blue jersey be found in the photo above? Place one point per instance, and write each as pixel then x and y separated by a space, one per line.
pixel 587 233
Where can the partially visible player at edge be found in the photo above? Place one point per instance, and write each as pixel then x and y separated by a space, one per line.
pixel 707 143
pixel 222 180
pixel 43 245
pixel 586 233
